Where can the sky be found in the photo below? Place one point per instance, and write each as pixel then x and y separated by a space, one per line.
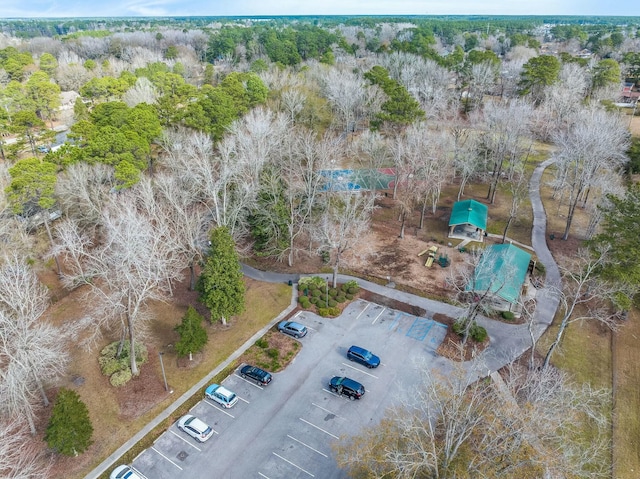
pixel 128 8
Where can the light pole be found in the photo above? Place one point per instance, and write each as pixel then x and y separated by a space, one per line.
pixel 164 376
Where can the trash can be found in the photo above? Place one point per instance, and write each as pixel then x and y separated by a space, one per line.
pixel 290 283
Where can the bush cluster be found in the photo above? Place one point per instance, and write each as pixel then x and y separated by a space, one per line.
pixel 118 368
pixel 508 315
pixel 476 332
pixel 329 312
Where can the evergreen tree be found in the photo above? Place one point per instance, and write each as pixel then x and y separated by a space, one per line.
pixel 193 336
pixel 69 430
pixel 220 285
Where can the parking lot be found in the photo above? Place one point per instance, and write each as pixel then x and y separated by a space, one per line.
pixel 285 430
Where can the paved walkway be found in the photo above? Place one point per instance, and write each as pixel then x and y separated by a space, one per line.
pixel 508 341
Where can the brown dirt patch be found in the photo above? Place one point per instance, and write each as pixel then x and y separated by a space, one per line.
pixel 273 352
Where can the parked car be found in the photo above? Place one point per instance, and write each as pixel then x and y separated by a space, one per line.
pixel 221 395
pixel 347 387
pixel 362 356
pixel 258 375
pixel 196 428
pixel 292 328
pixel 124 472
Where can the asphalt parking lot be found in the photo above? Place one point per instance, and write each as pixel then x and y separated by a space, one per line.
pixel 285 430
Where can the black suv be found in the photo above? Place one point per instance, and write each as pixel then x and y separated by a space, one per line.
pixel 258 375
pixel 362 356
pixel 347 387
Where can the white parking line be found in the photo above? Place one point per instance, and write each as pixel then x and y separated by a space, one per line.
pixel 166 458
pixel 243 399
pixel 260 474
pixel 318 428
pixel 183 439
pixel 331 392
pixel 359 370
pixel 218 408
pixel 297 314
pixel 326 410
pixel 294 465
pixel 247 381
pixel 307 445
pixel 361 312
pixel 383 310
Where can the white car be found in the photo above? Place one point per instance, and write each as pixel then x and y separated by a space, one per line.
pixel 221 395
pixel 124 472
pixel 196 428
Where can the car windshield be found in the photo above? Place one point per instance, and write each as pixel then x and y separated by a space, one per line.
pixel 367 355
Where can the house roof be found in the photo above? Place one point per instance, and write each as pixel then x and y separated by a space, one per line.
pixel 501 270
pixel 471 212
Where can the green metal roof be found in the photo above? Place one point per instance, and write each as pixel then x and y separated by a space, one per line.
pixel 469 211
pixel 502 270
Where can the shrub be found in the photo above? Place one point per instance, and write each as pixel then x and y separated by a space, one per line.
pixel 508 315
pixel 327 312
pixel 262 343
pixel 316 293
pixel 353 290
pixel 312 282
pixel 352 284
pixel 349 296
pixel 458 327
pixel 120 378
pixel 341 299
pixel 332 303
pixel 109 365
pixel 477 333
pixel 302 299
pixel 540 267
pixel 305 303
pixel 273 353
pixel 314 300
pixel 333 292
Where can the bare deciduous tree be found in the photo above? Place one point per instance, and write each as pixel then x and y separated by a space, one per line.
pixel 595 144
pixel 343 224
pixel 20 456
pixel 455 426
pixel 32 352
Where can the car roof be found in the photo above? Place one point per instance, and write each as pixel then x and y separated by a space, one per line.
pixel 198 424
pixel 292 324
pixel 358 349
pixel 124 471
pixel 350 383
pixel 224 392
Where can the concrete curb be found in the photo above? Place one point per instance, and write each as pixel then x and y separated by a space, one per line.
pixel 111 460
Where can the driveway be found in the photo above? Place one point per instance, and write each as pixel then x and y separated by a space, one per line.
pixel 286 429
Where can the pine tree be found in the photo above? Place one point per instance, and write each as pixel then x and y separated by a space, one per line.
pixel 193 336
pixel 69 430
pixel 220 285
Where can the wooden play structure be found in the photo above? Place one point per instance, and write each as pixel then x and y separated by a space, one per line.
pixel 432 250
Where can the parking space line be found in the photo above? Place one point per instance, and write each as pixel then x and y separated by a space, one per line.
pixel 359 370
pixel 326 410
pixel 218 408
pixel 166 458
pixel 247 381
pixel 383 310
pixel 294 465
pixel 260 474
pixel 307 445
pixel 361 312
pixel 331 392
pixel 297 314
pixel 319 428
pixel 183 439
pixel 243 399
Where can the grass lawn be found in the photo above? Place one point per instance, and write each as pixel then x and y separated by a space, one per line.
pixel 626 420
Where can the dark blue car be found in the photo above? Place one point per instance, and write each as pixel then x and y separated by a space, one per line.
pixel 362 356
pixel 258 375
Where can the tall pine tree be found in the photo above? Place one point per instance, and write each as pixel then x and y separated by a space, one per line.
pixel 220 284
pixel 69 430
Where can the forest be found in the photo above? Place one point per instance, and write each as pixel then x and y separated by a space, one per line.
pixel 135 153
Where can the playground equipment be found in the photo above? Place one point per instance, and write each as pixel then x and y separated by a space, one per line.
pixel 431 256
